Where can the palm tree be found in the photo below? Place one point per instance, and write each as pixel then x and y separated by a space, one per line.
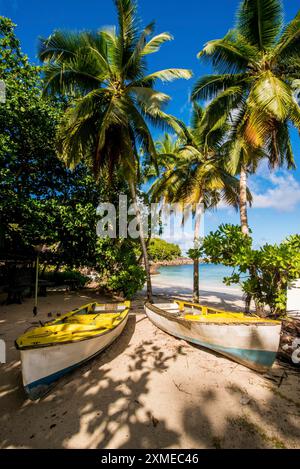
pixel 256 66
pixel 112 99
pixel 194 173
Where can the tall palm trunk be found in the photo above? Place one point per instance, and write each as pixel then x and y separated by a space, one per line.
pixel 196 293
pixel 142 240
pixel 243 201
pixel 245 226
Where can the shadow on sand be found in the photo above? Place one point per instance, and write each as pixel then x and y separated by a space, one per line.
pixel 219 300
pixel 133 396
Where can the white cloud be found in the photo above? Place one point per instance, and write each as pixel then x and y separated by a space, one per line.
pixel 284 195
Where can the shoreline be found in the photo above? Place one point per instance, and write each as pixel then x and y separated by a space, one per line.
pixel 178 261
pixel 154 266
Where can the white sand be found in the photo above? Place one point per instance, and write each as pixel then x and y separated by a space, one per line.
pixel 148 390
pixel 228 298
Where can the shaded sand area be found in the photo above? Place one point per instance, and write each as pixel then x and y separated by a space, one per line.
pixel 221 297
pixel 147 390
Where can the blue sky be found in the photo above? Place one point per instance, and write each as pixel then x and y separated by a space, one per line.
pixel 276 211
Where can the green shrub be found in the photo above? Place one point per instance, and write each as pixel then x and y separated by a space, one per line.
pixel 128 281
pixel 263 273
pixel 117 262
pixel 161 250
pixel 59 278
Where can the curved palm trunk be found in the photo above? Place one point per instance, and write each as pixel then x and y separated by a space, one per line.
pixel 196 293
pixel 243 201
pixel 142 240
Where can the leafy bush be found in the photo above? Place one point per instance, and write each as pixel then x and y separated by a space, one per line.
pixel 128 281
pixel 263 273
pixel 117 262
pixel 161 250
pixel 59 278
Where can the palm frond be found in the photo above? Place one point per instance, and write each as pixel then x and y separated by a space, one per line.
pixel 127 21
pixel 61 45
pixel 68 79
pixel 232 54
pixel 271 95
pixel 147 97
pixel 289 42
pixel 169 74
pixel 260 22
pixel 154 44
pixel 279 147
pixel 209 86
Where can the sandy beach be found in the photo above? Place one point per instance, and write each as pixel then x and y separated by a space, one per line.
pixel 223 297
pixel 147 390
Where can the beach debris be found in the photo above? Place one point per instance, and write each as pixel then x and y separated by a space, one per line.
pixel 288 347
pixel 276 378
pixel 178 386
pixel 283 376
pixel 245 399
pixel 154 421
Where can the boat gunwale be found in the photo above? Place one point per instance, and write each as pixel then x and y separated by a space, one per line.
pixel 55 344
pixel 184 321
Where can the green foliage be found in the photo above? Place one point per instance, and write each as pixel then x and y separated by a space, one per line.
pixel 255 65
pixel 228 246
pixel 115 97
pixel 41 201
pixel 195 253
pixel 161 250
pixel 263 273
pixel 117 262
pixel 59 278
pixel 128 281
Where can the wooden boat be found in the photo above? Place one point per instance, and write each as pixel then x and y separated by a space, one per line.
pixel 249 340
pixel 57 347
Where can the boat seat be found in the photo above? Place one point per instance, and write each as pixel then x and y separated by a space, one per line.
pixel 87 318
pixel 109 308
pixel 170 308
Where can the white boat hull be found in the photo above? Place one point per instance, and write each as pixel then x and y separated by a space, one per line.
pixel 293 300
pixel 253 345
pixel 42 366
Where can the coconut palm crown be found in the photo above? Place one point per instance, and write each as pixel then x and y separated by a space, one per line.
pixel 256 66
pixel 112 97
pixel 193 171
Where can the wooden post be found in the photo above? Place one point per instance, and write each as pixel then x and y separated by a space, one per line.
pixel 36 286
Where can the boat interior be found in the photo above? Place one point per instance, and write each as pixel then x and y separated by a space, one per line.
pixel 89 320
pixel 197 312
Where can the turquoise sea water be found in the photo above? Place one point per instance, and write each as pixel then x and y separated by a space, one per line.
pixel 211 276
